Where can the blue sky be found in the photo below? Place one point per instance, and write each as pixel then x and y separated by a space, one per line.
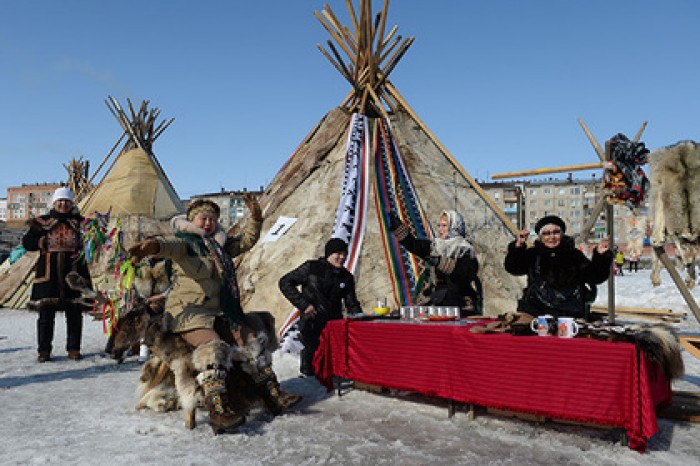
pixel 500 83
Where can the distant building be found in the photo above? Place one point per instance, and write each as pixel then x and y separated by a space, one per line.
pixel 230 202
pixel 525 202
pixel 3 209
pixel 509 198
pixel 28 201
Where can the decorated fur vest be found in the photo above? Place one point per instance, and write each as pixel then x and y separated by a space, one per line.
pixel 58 238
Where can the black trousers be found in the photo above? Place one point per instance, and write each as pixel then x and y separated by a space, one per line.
pixel 310 334
pixel 45 326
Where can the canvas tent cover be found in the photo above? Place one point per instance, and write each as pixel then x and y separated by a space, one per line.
pixel 134 186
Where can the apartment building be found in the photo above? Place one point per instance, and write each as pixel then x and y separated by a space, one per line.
pixel 3 209
pixel 524 202
pixel 231 204
pixel 509 197
pixel 28 201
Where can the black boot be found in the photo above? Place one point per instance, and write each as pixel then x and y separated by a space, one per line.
pixel 305 363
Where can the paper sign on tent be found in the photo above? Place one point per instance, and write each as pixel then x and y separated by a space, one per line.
pixel 278 229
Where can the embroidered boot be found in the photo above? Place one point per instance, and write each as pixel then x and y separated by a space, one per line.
pixel 274 397
pixel 212 361
pixel 221 417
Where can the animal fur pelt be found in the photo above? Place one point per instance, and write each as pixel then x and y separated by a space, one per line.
pixel 161 397
pixel 515 323
pixel 658 342
pixel 152 278
pixel 675 172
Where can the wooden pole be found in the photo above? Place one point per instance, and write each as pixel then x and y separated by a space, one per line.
pixel 638 136
pixel 479 190
pixel 590 223
pixel 594 143
pixel 689 300
pixel 611 235
pixel 541 171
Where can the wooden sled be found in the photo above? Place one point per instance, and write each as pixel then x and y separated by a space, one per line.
pixel 685 407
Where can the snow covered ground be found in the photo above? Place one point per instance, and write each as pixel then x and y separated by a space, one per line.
pixel 67 412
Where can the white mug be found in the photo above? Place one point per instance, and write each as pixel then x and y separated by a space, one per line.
pixel 542 325
pixel 567 327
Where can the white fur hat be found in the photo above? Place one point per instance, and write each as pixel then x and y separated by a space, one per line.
pixel 62 193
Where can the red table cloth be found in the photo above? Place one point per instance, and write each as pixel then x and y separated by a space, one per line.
pixel 577 379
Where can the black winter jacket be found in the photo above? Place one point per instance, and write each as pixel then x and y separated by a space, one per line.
pixel 455 278
pixel 556 277
pixel 58 238
pixel 324 286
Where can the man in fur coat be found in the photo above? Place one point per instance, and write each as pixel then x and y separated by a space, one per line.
pixel 58 237
pixel 560 277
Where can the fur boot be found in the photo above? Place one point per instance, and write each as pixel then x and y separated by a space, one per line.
pixel 255 359
pixel 212 362
pixel 276 400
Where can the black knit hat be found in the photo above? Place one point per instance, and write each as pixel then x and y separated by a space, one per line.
pixel 550 219
pixel 336 245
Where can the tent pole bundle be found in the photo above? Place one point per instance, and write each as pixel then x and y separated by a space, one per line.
pixel 370 57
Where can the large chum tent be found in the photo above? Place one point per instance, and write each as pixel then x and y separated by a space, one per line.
pixel 369 156
pixel 134 189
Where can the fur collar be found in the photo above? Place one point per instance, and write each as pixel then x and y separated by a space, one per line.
pixel 454 248
pixel 180 224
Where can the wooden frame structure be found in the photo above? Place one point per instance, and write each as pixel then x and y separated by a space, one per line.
pixel 604 157
pixel 365 55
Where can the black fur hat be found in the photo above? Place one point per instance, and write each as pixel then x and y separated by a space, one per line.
pixel 335 245
pixel 554 220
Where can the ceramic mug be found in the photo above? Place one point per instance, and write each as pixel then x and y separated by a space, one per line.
pixel 567 327
pixel 542 325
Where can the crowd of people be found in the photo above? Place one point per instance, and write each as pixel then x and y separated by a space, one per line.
pixel 203 303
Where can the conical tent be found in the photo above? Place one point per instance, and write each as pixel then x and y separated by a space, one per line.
pixel 135 184
pixel 370 156
pixel 135 190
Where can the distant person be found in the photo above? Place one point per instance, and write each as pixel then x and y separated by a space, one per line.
pixel 620 262
pixel 634 263
pixel 452 261
pixel 561 280
pixel 57 237
pixel 320 289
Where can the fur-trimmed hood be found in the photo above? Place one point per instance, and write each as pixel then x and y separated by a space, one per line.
pixel 180 224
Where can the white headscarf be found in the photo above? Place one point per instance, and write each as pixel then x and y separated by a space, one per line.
pixel 455 245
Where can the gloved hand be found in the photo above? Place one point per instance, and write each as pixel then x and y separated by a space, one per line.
pixel 394 221
pixel 433 260
pixel 253 207
pixel 147 247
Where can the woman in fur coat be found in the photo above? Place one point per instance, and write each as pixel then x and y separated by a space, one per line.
pixel 57 236
pixel 560 278
pixel 204 307
pixel 453 263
